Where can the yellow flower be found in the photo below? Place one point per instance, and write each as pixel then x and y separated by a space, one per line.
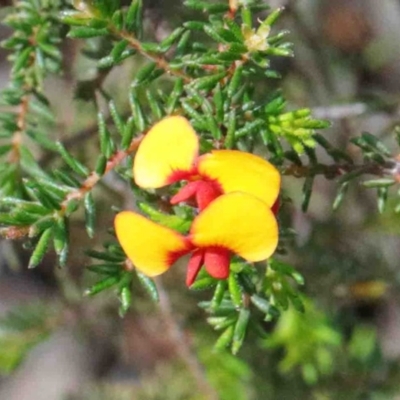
pixel 169 153
pixel 234 223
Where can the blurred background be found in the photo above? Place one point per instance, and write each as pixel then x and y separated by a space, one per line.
pixel 347 346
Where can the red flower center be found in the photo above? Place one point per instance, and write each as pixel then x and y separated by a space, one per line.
pixel 204 192
pixel 216 261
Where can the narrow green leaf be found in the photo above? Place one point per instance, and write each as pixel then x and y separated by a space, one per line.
pixel 230 135
pixel 262 304
pixel 101 164
pixel 102 285
pixel 154 105
pixel 175 95
pixel 235 290
pixel 206 6
pixel 104 256
pixel 183 44
pixel 60 239
pixel 149 285
pixel 379 183
pixel 40 249
pixel 116 117
pixel 235 29
pixel 225 338
pixel 134 18
pixel 194 25
pixel 249 128
pixel 22 59
pixel 382 198
pixel 105 269
pixel 117 20
pixel 85 32
pixel 218 294
pixel 74 164
pixel 144 73
pixel 171 39
pixel 273 17
pixel 90 214
pixel 240 329
pixel 307 191
pixel 137 112
pixel 203 283
pixel 208 82
pixel 41 225
pixel 104 136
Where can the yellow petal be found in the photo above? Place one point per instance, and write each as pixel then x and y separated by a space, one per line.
pixel 244 172
pixel 152 248
pixel 239 222
pixel 168 149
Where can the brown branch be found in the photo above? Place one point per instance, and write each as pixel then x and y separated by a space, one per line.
pixel 14 232
pixel 16 140
pixel 182 345
pixel 160 61
pixel 94 177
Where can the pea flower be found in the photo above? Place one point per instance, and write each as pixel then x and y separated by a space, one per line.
pixel 234 223
pixel 170 153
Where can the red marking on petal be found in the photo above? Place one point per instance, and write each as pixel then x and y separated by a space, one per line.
pixel 194 266
pixel 276 206
pixel 217 261
pixel 206 192
pixel 185 193
pixel 173 256
pixel 180 175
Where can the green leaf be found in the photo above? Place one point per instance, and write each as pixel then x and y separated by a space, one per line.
pixel 103 285
pixel 379 183
pixel 149 286
pixel 40 249
pixel 240 330
pixel 205 6
pixel 307 192
pixel 225 338
pixel 235 290
pixel 116 117
pixel 262 304
pixel 22 59
pixel 137 112
pixel 74 164
pixel 106 143
pixel 203 283
pixel 105 256
pixel 218 294
pixel 134 18
pixel 85 32
pixel 144 73
pixel 208 82
pixel 170 221
pixel 382 198
pixel 90 214
pixel 171 39
pixel 60 239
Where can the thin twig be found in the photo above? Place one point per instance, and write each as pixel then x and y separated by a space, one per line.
pixel 160 61
pixel 184 349
pixel 94 177
pixel 16 140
